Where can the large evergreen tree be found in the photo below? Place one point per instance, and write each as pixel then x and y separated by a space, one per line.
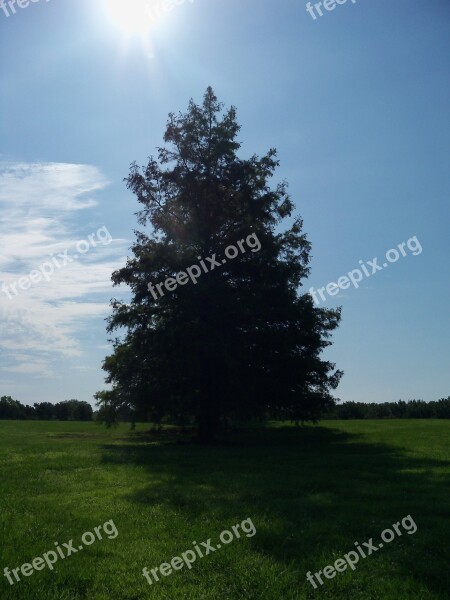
pixel 242 341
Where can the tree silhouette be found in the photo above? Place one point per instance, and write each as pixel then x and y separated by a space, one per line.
pixel 237 340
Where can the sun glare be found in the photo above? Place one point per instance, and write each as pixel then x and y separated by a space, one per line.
pixel 133 17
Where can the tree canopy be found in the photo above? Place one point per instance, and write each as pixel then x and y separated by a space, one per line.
pixel 69 410
pixel 240 339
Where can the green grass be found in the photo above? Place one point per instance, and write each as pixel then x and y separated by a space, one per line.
pixel 311 493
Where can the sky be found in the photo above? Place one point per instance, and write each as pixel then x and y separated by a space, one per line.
pixel 356 101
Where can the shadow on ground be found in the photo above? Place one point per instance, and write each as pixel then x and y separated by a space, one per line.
pixel 311 493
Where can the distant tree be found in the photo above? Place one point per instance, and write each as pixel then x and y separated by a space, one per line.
pixel 11 409
pixel 62 411
pixel 30 413
pixel 353 410
pixel 413 409
pixel 418 409
pixel 442 408
pixel 80 410
pixel 242 338
pixel 398 409
pixel 45 411
pixel 73 410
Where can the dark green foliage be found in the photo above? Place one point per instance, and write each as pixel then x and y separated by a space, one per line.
pixel 73 410
pixel 11 409
pixel 110 412
pixel 70 410
pixel 45 411
pixel 242 339
pixel 413 409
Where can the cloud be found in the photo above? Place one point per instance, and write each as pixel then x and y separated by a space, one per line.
pixel 49 186
pixel 43 208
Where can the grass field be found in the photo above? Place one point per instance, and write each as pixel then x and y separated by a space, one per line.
pixel 311 493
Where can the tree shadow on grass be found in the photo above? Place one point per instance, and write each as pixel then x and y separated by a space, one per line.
pixel 311 492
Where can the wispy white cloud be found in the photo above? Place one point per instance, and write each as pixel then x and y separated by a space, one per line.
pixel 41 208
pixel 44 186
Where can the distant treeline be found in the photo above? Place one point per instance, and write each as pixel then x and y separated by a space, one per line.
pixel 76 410
pixel 413 409
pixel 69 410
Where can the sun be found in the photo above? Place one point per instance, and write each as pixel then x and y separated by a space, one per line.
pixel 133 17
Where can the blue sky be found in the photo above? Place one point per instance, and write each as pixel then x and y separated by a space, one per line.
pixel 356 102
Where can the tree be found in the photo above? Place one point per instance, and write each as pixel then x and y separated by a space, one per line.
pixel 62 411
pixel 239 339
pixel 11 409
pixel 45 411
pixel 73 410
pixel 80 410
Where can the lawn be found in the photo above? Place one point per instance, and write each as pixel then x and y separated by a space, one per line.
pixel 311 493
